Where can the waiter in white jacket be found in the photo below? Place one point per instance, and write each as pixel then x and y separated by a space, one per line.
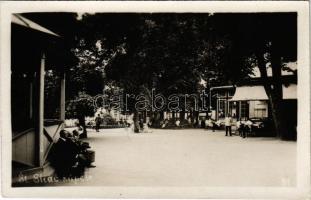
pixel 228 122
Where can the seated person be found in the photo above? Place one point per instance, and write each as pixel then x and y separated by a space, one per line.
pixel 146 128
pixel 79 129
pixel 211 124
pixel 64 154
pixel 75 135
pixel 218 123
pixel 149 124
pixel 86 156
pixel 164 123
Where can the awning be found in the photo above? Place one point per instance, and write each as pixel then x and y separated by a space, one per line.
pixel 245 93
pixel 18 19
pixel 249 93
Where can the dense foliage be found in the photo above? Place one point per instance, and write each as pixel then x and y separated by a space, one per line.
pixel 173 52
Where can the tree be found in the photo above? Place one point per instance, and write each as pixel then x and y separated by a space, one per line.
pixel 80 107
pixel 172 52
pixel 164 55
pixel 141 52
pixel 83 78
pixel 259 40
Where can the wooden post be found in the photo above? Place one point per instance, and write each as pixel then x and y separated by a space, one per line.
pixel 217 108
pixel 31 99
pixel 62 98
pixel 226 105
pixel 240 109
pixel 41 110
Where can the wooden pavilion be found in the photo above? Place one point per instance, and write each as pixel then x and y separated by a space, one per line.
pixel 34 50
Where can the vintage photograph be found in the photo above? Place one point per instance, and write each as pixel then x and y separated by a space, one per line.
pixel 154 99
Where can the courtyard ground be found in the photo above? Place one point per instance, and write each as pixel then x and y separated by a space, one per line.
pixel 188 157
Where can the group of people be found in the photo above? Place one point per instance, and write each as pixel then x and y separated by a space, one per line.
pixel 244 127
pixel 99 120
pixel 70 156
pixel 140 127
pixel 124 122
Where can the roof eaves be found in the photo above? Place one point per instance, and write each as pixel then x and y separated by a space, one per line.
pixel 18 19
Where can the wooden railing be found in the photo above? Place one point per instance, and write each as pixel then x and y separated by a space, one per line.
pixel 51 135
pixel 20 134
pixel 24 145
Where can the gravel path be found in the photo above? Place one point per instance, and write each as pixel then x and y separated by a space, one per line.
pixel 190 157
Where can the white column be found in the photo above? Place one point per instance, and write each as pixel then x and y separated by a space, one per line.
pixel 41 110
pixel 217 109
pixel 240 109
pixel 62 98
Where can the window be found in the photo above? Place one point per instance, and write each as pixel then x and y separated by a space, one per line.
pixel 244 109
pixel 260 113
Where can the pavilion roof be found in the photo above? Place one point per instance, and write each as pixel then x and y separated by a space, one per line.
pixel 22 21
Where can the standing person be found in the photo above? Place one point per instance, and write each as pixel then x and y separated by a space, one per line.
pixel 141 124
pixel 210 123
pixel 228 122
pixel 203 125
pixel 79 130
pixel 195 123
pixel 206 123
pixel 98 121
pixel 241 127
pixel 81 119
pixel 177 123
pixel 248 126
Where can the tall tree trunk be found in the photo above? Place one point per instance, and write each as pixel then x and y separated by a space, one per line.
pixel 182 115
pixel 136 122
pixel 274 92
pixel 81 119
pixel 191 116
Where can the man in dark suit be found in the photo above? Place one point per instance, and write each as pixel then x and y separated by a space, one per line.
pixel 64 154
pixel 98 121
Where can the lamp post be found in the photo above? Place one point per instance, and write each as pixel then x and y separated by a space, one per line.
pixel 210 93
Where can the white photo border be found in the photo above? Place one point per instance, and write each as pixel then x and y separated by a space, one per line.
pixel 302 188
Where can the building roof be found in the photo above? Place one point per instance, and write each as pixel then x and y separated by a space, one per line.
pixel 248 93
pixel 22 21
